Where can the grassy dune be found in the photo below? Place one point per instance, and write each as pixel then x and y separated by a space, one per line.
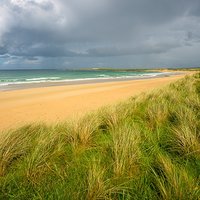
pixel 145 148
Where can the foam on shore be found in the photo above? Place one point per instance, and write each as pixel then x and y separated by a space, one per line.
pixel 56 81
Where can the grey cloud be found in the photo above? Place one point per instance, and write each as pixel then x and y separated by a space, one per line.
pixel 138 50
pixel 97 28
pixel 194 9
pixel 32 58
pixel 3 50
pixel 4 56
pixel 43 51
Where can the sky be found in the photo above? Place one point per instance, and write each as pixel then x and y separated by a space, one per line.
pixel 61 34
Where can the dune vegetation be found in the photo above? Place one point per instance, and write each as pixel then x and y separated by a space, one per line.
pixel 147 147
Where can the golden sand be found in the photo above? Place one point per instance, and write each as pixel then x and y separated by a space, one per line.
pixel 54 104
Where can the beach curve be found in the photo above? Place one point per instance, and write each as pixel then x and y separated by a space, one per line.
pixel 58 103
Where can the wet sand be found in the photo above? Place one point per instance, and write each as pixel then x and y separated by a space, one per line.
pixel 58 103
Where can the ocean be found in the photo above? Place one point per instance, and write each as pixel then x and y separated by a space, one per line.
pixel 13 77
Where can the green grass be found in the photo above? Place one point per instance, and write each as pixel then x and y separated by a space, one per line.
pixel 147 147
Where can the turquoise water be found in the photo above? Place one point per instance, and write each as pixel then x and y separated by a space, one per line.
pixel 10 77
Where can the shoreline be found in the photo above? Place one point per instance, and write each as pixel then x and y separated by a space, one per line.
pixel 59 103
pixel 21 86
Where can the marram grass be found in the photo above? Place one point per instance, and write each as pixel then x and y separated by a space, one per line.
pixel 145 148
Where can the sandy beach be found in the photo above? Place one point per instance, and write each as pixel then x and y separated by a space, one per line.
pixel 57 103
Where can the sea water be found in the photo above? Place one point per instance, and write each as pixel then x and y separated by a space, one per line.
pixel 12 77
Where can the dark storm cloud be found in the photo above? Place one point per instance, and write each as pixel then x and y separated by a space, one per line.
pixel 142 49
pixel 3 50
pixel 43 50
pixel 99 28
